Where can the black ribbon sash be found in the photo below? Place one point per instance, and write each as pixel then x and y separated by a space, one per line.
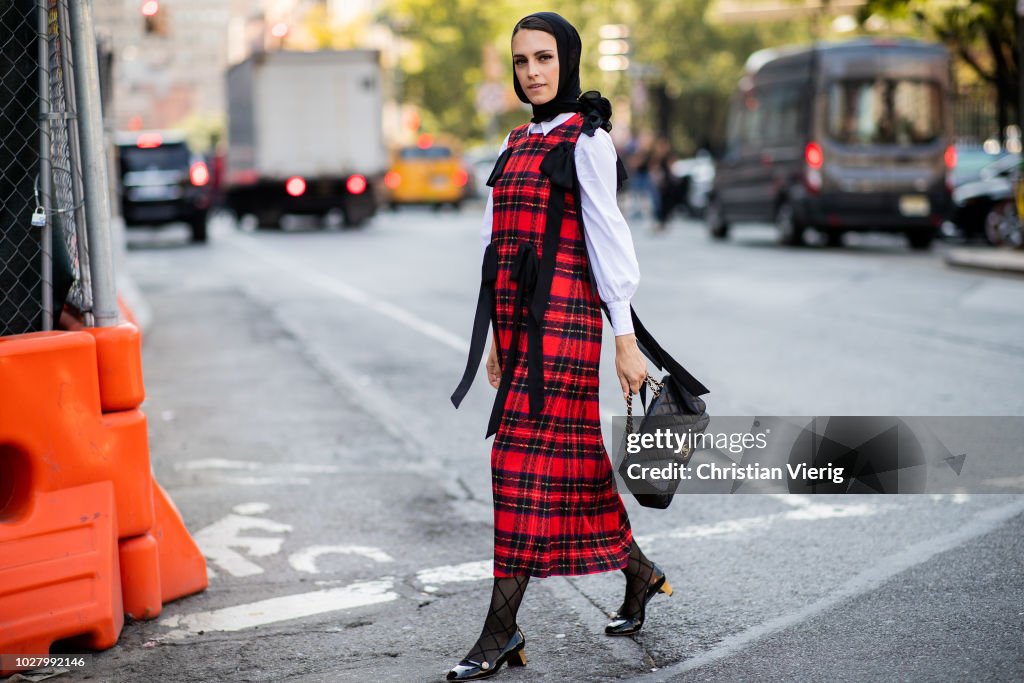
pixel 481 321
pixel 524 273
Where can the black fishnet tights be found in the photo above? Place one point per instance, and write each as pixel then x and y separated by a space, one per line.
pixel 500 623
pixel 639 575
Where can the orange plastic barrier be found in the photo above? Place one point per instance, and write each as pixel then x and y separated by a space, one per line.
pixel 59 572
pixel 73 440
pixel 126 313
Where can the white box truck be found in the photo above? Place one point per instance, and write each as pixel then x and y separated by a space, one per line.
pixel 305 135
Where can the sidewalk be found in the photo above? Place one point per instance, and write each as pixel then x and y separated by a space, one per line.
pixel 988 258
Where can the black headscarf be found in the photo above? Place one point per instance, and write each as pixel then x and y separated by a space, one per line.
pixel 597 110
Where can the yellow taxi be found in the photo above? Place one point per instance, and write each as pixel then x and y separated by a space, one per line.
pixel 429 172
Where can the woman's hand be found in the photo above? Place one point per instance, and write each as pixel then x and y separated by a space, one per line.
pixel 493 367
pixel 630 364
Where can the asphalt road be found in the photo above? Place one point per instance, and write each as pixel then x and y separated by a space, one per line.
pixel 298 387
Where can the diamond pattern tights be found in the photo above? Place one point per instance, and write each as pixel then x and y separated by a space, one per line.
pixel 639 574
pixel 500 623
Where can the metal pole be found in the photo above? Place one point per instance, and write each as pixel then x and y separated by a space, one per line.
pixel 1020 67
pixel 77 209
pixel 94 164
pixel 45 198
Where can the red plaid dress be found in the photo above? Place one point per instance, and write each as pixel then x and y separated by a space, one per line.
pixel 556 508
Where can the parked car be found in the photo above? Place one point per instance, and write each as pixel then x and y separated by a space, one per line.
pixel 969 162
pixel 695 177
pixel 162 181
pixel 479 164
pixel 426 173
pixel 985 206
pixel 843 136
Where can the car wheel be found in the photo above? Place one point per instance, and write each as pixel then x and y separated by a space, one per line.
pixel 791 231
pixel 199 231
pixel 921 240
pixel 268 219
pixel 718 229
pixel 834 238
pixel 1001 224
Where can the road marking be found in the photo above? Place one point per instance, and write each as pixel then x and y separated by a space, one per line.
pixel 218 540
pixel 803 511
pixel 882 570
pixel 283 608
pixel 467 571
pixel 261 481
pixel 325 283
pixel 224 464
pixel 807 510
pixel 251 508
pixel 305 559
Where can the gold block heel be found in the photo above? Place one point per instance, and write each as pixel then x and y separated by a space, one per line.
pixel 518 659
pixel 627 626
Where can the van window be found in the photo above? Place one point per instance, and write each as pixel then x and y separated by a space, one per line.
pixel 435 152
pixel 169 157
pixel 780 114
pixel 884 111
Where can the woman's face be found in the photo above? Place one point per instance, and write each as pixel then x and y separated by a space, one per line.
pixel 535 59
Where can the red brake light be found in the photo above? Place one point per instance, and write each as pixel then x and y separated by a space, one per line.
pixel 424 140
pixel 199 174
pixel 813 155
pixel 295 186
pixel 149 140
pixel 950 157
pixel 392 180
pixel 356 184
pixel 461 177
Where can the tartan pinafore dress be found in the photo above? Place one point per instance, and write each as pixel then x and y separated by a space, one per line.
pixel 556 508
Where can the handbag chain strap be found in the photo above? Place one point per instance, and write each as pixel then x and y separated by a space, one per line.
pixel 656 388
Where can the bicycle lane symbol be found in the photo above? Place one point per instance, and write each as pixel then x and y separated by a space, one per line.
pixel 223 543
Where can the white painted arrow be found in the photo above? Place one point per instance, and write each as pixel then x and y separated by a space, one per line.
pixel 305 559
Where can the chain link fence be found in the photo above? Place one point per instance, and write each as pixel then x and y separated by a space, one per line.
pixel 44 246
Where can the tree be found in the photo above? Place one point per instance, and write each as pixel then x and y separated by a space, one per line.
pixel 981 33
pixel 692 62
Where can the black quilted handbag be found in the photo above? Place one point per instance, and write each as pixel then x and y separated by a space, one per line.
pixel 671 407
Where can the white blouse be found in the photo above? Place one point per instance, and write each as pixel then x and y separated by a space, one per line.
pixel 609 243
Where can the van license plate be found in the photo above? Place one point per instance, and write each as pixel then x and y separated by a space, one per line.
pixel 914 205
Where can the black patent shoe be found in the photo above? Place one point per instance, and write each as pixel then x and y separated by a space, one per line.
pixel 627 626
pixel 471 670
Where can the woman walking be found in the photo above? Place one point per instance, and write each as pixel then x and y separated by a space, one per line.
pixel 556 509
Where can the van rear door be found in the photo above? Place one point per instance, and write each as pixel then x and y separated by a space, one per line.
pixel 885 120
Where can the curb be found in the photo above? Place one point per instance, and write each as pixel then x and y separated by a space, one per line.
pixel 130 294
pixel 1004 260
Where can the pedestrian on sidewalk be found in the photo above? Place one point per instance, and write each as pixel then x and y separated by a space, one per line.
pixel 670 191
pixel 555 246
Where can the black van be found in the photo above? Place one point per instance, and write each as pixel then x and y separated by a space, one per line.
pixel 839 136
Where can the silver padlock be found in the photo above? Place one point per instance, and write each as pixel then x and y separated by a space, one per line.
pixel 39 218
